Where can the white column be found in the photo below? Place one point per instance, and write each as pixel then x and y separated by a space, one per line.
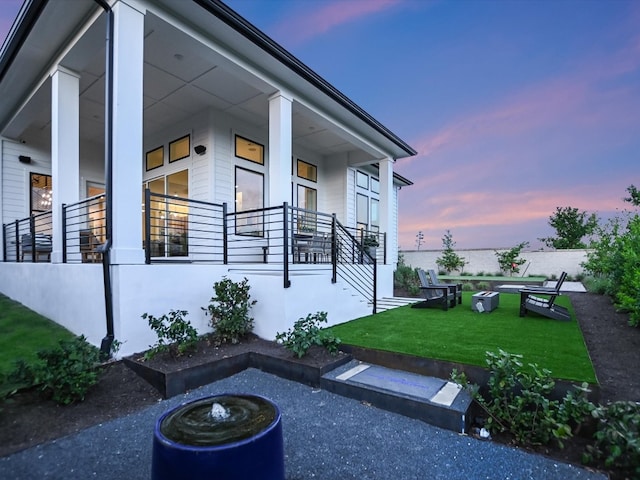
pixel 279 149
pixel 387 205
pixel 127 135
pixel 65 149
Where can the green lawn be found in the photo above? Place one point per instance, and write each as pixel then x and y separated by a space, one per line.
pixel 461 335
pixel 23 332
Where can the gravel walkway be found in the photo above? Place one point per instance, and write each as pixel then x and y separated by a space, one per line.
pixel 326 437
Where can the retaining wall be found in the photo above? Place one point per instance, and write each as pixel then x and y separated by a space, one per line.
pixel 544 263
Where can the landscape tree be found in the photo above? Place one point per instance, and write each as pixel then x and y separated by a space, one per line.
pixel 634 196
pixel 571 226
pixel 450 260
pixel 509 260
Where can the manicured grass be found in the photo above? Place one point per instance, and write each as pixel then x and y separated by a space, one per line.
pixel 23 333
pixel 461 335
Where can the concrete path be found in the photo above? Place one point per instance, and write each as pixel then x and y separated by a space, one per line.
pixel 326 436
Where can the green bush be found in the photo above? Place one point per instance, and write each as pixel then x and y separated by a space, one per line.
pixel 306 332
pixel 229 310
pixel 406 277
pixel 65 372
pixel 175 334
pixel 518 401
pixel 483 286
pixel 617 438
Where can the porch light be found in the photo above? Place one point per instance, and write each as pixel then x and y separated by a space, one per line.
pixel 24 159
pixel 200 149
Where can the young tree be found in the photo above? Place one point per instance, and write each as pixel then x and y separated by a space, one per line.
pixel 450 260
pixel 634 196
pixel 509 261
pixel 571 227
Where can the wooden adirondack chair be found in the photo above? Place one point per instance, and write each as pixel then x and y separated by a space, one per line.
pixel 530 301
pixel 440 295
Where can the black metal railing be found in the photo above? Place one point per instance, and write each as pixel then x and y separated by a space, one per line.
pixel 28 239
pixel 183 229
pixel 354 263
pixel 84 230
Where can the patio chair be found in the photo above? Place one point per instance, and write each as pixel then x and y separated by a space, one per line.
pixel 37 246
pixel 456 287
pixel 531 302
pixel 441 295
pixel 89 247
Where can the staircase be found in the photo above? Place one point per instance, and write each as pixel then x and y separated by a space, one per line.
pixel 387 303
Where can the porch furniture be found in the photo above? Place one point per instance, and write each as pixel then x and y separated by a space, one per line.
pixel 531 302
pixel 485 301
pixel 311 248
pixel 441 295
pixel 433 279
pixel 40 243
pixel 89 244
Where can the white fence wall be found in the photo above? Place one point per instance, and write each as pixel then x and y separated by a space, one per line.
pixel 545 263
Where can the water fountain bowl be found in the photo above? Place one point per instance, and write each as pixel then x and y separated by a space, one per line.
pixel 229 436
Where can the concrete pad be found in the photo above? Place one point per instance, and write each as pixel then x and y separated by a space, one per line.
pixel 566 287
pixel 404 383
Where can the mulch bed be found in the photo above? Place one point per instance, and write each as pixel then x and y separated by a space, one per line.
pixel 26 419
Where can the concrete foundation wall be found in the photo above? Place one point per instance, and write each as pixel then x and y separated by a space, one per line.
pixel 544 263
pixel 73 296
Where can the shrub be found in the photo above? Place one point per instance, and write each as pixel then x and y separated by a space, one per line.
pixel 483 286
pixel 406 277
pixel 229 310
pixel 509 261
pixel 306 332
pixel 617 438
pixel 66 372
pixel 518 401
pixel 175 334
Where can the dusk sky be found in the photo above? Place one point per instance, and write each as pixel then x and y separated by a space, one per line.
pixel 515 107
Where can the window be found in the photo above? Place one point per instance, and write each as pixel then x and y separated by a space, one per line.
pixel 249 196
pixel 362 179
pixel 155 158
pixel 307 171
pixel 249 150
pixel 375 215
pixel 375 185
pixel 41 191
pixel 97 210
pixel 179 149
pixel 362 212
pixel 307 199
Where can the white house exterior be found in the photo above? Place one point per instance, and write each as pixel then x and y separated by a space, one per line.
pixel 104 99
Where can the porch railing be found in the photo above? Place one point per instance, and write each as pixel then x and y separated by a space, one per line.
pixel 28 239
pixel 178 229
pixel 181 229
pixel 84 230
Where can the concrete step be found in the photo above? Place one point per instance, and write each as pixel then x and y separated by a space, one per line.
pixel 387 303
pixel 435 401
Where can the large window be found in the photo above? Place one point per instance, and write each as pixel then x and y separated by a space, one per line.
pixel 249 196
pixel 41 193
pixel 307 171
pixel 179 149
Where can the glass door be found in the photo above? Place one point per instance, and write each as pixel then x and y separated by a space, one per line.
pixel 169 215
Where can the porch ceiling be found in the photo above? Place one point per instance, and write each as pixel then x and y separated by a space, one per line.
pixel 182 77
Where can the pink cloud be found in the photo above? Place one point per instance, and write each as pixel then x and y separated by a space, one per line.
pixel 311 23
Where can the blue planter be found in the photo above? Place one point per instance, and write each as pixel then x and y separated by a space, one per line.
pixel 259 456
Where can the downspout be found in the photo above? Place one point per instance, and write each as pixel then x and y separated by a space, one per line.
pixel 105 249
